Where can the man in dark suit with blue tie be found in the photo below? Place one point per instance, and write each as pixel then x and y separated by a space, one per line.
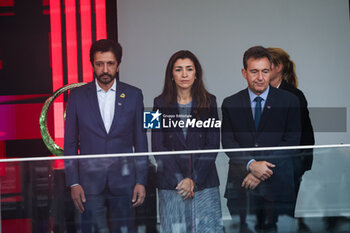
pixel 260 116
pixel 104 117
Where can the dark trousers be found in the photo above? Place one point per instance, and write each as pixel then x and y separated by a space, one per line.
pixel 146 214
pixel 106 212
pixel 238 206
pixel 266 211
pixel 237 197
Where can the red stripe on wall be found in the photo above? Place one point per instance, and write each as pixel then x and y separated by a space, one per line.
pixel 57 66
pixel 21 121
pixel 100 11
pixel 56 44
pixel 86 39
pixel 7 14
pixel 46 12
pixel 16 225
pixel 71 36
pixel 9 98
pixel 7 3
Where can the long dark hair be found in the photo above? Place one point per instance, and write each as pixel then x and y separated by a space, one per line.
pixel 198 91
pixel 279 56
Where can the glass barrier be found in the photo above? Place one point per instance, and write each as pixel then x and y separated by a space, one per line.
pixel 189 193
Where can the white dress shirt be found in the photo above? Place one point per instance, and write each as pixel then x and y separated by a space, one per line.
pixel 106 102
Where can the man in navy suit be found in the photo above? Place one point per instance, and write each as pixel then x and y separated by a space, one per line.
pixel 103 117
pixel 260 116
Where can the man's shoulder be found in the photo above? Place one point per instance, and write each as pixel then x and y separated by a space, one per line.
pixel 235 98
pixel 77 91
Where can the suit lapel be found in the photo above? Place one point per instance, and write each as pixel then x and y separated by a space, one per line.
pixel 267 108
pixel 246 105
pixel 120 98
pixel 95 109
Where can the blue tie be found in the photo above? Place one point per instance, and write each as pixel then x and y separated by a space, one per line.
pixel 257 117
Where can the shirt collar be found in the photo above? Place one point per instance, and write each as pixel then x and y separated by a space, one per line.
pixel 263 95
pixel 113 88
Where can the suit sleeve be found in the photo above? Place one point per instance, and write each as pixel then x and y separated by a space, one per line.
pixel 307 134
pixel 140 142
pixel 228 138
pixel 206 162
pixel 166 163
pixel 71 140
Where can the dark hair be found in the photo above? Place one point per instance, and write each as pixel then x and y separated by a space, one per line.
pixel 198 91
pixel 256 52
pixel 279 56
pixel 106 45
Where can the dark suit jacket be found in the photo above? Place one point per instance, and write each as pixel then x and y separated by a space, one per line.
pixel 200 167
pixel 307 132
pixel 279 126
pixel 85 131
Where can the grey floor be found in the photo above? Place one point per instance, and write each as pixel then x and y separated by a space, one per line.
pixel 288 225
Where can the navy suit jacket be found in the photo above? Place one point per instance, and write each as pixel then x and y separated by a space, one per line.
pixel 85 131
pixel 279 126
pixel 200 167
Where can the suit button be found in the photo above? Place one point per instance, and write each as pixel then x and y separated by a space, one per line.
pixel 200 135
pixel 170 136
pixel 256 145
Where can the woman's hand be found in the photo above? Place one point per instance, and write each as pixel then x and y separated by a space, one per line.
pixel 185 188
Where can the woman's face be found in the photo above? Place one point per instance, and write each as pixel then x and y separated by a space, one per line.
pixel 276 72
pixel 184 73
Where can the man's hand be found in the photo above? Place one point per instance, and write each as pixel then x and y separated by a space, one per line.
pixel 250 182
pixel 139 195
pixel 78 196
pixel 185 188
pixel 261 169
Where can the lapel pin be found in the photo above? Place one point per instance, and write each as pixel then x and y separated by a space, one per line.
pixel 268 107
pixel 122 95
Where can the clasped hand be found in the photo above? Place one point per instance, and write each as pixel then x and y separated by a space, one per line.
pixel 259 171
pixel 185 188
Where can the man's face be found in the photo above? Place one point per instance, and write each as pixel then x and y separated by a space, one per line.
pixel 105 67
pixel 257 74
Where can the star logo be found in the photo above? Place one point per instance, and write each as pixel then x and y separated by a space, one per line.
pixel 155 115
pixel 151 120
